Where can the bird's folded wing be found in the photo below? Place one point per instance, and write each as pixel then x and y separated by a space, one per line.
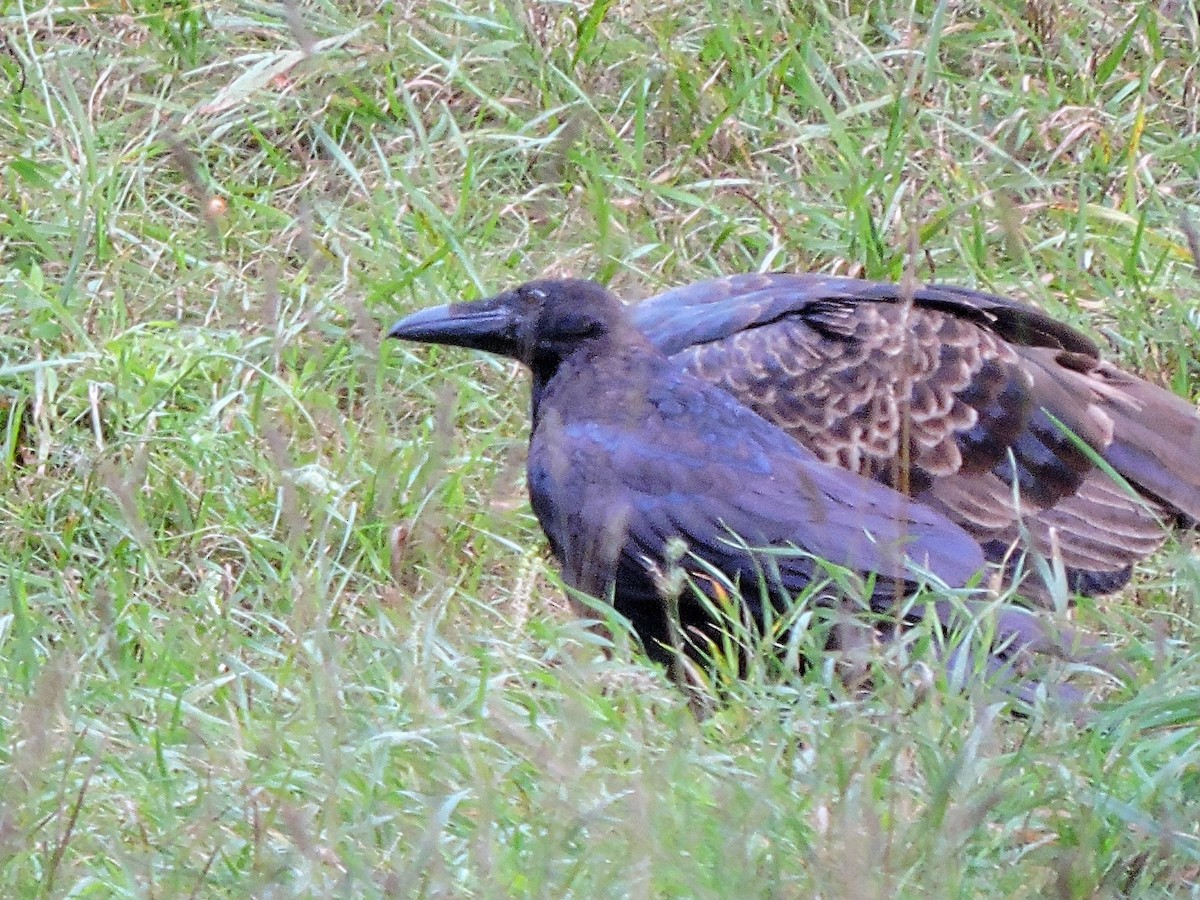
pixel 660 490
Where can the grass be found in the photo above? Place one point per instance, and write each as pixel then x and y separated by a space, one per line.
pixel 275 619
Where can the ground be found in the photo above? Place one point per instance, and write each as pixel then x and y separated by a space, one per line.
pixel 275 618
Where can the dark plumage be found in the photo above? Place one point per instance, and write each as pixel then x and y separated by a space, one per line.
pixel 629 453
pixel 953 399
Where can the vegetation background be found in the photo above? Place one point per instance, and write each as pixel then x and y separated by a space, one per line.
pixel 275 619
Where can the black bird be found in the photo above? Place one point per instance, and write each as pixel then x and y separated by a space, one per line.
pixel 954 397
pixel 630 454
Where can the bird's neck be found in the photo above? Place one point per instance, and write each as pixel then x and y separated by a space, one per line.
pixel 614 355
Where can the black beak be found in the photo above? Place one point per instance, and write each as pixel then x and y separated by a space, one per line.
pixel 481 325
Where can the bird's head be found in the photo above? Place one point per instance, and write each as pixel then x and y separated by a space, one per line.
pixel 539 323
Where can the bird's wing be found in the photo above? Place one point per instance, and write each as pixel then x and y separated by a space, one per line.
pixel 612 490
pixel 934 395
pixel 878 386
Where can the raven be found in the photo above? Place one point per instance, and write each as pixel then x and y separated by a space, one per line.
pixel 631 457
pixel 954 397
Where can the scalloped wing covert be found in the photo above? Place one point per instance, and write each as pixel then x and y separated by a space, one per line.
pixel 954 397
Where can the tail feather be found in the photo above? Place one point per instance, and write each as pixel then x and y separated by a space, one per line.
pixel 1156 442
